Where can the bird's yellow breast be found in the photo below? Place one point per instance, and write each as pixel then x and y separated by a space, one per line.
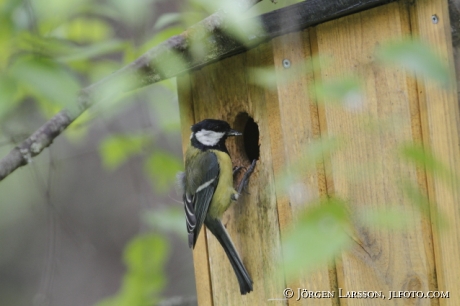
pixel 222 197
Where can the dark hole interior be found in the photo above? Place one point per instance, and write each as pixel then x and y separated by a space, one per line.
pixel 248 145
pixel 251 139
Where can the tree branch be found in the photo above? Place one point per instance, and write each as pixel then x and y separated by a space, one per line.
pixel 175 56
pixel 143 71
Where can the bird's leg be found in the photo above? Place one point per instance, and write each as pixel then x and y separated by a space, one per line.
pixel 235 170
pixel 247 174
pixel 244 182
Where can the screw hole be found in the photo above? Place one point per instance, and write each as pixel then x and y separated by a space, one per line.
pixel 286 63
pixel 434 19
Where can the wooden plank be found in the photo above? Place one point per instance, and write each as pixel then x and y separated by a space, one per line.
pixel 308 13
pixel 220 45
pixel 367 171
pixel 454 16
pixel 174 57
pixel 200 253
pixel 440 119
pixel 223 90
pixel 417 136
pixel 298 128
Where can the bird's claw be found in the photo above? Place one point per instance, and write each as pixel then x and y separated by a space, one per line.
pixel 244 182
pixel 236 169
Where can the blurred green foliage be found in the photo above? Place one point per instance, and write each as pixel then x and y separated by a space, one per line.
pixel 417 57
pixel 345 92
pixel 319 234
pixel 323 230
pixel 419 156
pixel 51 48
pixel 306 163
pixel 170 220
pixel 162 167
pixel 145 257
pixel 386 218
pixel 116 149
pixel 41 77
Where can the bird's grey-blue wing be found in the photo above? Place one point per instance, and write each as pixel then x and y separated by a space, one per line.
pixel 199 192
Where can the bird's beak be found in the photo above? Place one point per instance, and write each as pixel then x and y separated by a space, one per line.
pixel 233 133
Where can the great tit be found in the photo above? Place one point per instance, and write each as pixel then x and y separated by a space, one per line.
pixel 207 186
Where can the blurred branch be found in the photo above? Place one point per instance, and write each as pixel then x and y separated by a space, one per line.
pixel 164 61
pixel 137 74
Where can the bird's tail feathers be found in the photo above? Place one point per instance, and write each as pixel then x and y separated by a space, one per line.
pixel 219 231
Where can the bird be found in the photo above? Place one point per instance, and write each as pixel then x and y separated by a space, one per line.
pixel 207 188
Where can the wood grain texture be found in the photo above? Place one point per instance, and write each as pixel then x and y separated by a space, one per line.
pixel 223 90
pixel 298 128
pixel 366 170
pixel 200 253
pixel 308 13
pixel 440 125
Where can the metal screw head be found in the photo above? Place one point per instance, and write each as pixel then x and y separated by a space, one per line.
pixel 286 63
pixel 434 18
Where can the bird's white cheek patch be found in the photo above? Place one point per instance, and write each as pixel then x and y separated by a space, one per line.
pixel 209 138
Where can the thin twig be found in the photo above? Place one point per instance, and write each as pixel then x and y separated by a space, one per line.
pixel 142 72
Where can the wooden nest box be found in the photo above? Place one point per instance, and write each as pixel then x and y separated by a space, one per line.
pixel 280 121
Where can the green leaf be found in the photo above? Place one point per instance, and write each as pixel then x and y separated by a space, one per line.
pixel 49 46
pixel 115 150
pixel 158 38
pixel 344 91
pixel 170 64
pixel 162 169
pixel 145 257
pixel 239 27
pixel 167 19
pixel 102 69
pixel 93 50
pixel 133 11
pixel 314 153
pixel 421 201
pixel 237 22
pixel 167 220
pixel 417 57
pixel 45 78
pixel 79 128
pixel 389 218
pixel 318 236
pixel 52 13
pixel 145 254
pixel 87 30
pixel 415 195
pixel 169 84
pixel 8 89
pixel 265 77
pixel 165 109
pixel 419 156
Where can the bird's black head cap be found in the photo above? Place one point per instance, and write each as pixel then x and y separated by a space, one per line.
pixel 211 125
pixel 211 134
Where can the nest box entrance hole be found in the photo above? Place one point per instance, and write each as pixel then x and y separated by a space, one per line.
pixel 248 147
